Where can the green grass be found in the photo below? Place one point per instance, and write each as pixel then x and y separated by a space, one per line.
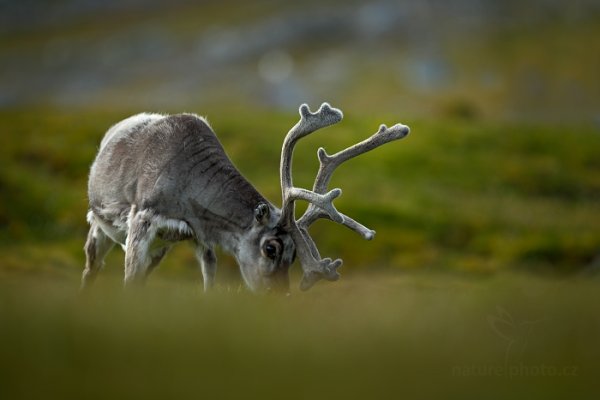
pixel 377 336
pixel 455 194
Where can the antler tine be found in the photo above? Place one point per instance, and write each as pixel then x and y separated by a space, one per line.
pixel 309 122
pixel 314 267
pixel 328 164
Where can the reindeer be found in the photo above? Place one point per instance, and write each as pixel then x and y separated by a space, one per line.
pixel 160 179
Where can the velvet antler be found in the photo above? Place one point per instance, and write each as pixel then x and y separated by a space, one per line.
pixel 320 200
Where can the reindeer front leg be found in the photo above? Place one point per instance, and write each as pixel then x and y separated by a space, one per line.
pixel 140 235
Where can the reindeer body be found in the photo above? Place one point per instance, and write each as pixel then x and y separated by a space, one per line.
pixel 176 167
pixel 161 179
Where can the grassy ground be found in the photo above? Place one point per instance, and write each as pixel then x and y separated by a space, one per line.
pixel 376 336
pixel 441 303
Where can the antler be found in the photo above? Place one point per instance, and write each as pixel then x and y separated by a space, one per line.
pixel 321 201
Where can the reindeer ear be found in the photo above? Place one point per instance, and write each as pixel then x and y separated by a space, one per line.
pixel 262 213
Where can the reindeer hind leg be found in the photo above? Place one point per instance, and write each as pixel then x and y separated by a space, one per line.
pixel 96 247
pixel 156 257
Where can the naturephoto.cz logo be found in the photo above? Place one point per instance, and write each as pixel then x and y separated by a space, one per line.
pixel 516 334
pixel 514 370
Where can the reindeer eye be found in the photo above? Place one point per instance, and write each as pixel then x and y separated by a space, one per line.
pixel 271 249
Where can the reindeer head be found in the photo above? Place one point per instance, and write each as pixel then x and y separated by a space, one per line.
pixel 267 251
pixel 320 200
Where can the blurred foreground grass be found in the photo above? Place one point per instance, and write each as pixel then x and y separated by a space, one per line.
pixel 377 336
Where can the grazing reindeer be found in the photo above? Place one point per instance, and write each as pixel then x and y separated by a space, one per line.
pixel 162 179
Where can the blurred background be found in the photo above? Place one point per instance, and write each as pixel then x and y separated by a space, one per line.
pixel 488 211
pixel 536 60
